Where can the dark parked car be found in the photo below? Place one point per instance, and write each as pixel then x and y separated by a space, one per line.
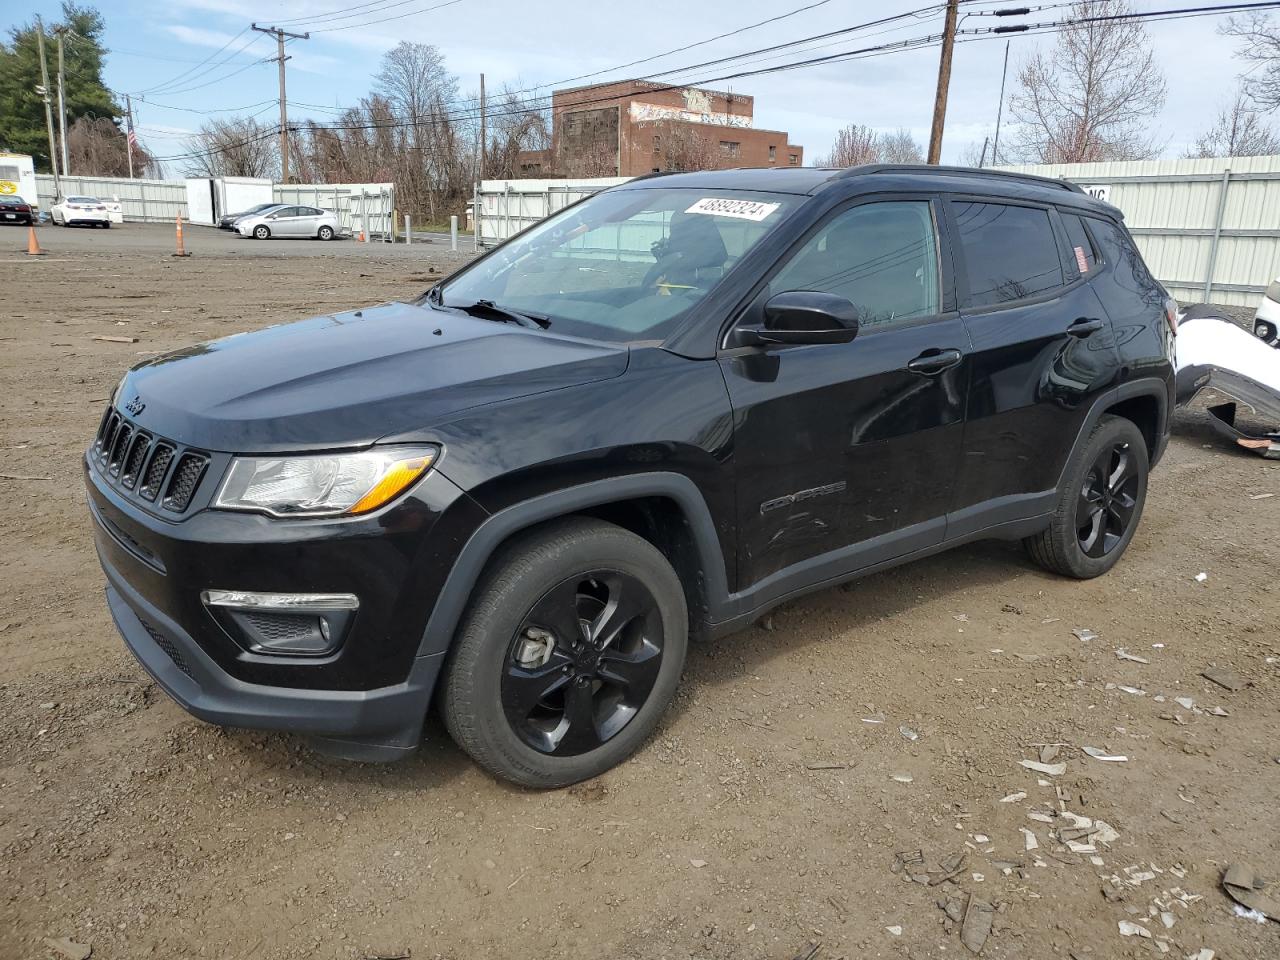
pixel 13 209
pixel 655 415
pixel 228 220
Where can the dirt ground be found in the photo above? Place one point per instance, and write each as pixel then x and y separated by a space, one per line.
pixel 764 818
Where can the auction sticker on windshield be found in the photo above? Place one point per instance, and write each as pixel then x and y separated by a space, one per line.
pixel 725 207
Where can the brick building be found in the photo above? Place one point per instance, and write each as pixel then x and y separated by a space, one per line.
pixel 634 127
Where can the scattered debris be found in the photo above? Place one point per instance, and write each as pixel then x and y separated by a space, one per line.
pixel 1103 755
pixel 1226 679
pixel 1262 496
pixel 905 860
pixel 1014 797
pixel 1010 608
pixel 1130 929
pixel 697 864
pixel 1048 769
pixel 1186 703
pixel 876 719
pixel 1219 712
pixel 1257 916
pixel 69 948
pixel 962 617
pixel 1201 577
pixel 1048 752
pixel 808 953
pixel 1030 839
pixel 895 930
pixel 909 733
pixel 826 766
pixel 766 623
pixel 1242 884
pixel 1204 954
pixel 977 924
pixel 948 867
pixel 903 778
pixel 1124 654
pixel 20 476
pixel 107 338
pixel 1085 635
pixel 1136 691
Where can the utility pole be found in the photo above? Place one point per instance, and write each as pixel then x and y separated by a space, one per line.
pixel 284 110
pixel 43 90
pixel 62 103
pixel 484 142
pixel 995 149
pixel 131 138
pixel 944 81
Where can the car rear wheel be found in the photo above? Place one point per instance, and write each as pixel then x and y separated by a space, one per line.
pixel 568 655
pixel 325 233
pixel 1099 503
pixel 261 231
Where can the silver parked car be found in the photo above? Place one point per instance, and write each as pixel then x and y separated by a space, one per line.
pixel 290 222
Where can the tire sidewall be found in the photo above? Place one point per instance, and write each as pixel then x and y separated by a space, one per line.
pixel 1109 431
pixel 490 627
pixel 325 233
pixel 261 233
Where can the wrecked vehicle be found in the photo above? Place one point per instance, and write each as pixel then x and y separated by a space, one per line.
pixel 1214 353
pixel 658 413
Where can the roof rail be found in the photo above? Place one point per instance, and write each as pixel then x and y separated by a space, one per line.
pixel 958 172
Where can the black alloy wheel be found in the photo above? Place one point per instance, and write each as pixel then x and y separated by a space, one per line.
pixel 582 663
pixel 1107 500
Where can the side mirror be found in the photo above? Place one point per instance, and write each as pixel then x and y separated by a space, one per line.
pixel 803 316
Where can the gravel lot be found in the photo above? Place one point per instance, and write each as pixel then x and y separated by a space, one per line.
pixel 765 815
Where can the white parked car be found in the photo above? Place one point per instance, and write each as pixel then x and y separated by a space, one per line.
pixel 290 222
pixel 1266 321
pixel 72 210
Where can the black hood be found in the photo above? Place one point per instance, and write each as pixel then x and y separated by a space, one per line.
pixel 349 379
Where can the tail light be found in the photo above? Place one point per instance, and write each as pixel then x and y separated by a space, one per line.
pixel 1171 314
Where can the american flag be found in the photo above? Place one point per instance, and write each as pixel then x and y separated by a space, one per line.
pixel 133 137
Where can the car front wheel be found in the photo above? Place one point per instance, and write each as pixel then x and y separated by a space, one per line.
pixel 568 656
pixel 261 232
pixel 325 233
pixel 1104 488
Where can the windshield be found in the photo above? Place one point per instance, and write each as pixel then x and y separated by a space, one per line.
pixel 622 265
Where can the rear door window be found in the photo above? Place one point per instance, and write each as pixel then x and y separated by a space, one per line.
pixel 1086 258
pixel 1009 252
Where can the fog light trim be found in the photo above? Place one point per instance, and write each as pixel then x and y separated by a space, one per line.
pixel 295 602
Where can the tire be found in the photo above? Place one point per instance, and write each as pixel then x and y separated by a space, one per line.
pixel 1072 545
pixel 590 564
pixel 325 233
pixel 261 232
pixel 107 225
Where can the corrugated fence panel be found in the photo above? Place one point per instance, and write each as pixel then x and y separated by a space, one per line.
pixel 145 200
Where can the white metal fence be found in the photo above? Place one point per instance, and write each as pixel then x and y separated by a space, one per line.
pixel 1208 229
pixel 145 200
pixel 502 208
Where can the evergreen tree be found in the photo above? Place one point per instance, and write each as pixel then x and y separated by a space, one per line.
pixel 22 121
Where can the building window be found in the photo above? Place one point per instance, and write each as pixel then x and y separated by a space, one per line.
pixel 773 153
pixel 730 148
pixel 793 159
pixel 657 170
pixel 657 143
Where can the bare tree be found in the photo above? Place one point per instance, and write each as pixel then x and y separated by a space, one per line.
pixel 973 155
pixel 1091 96
pixel 899 147
pixel 1238 131
pixel 854 144
pixel 681 148
pixel 1262 48
pixel 98 148
pixel 234 147
pixel 519 124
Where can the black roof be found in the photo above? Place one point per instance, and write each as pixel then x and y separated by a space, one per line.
pixel 908 177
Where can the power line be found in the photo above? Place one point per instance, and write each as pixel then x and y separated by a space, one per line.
pixel 178 77
pixel 860 53
pixel 399 16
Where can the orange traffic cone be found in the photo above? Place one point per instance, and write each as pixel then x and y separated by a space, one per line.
pixel 33 245
pixel 360 239
pixel 182 250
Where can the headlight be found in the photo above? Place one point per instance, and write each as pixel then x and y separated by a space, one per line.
pixel 323 485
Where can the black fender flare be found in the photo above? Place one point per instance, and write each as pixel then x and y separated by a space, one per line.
pixel 1140 387
pixel 443 621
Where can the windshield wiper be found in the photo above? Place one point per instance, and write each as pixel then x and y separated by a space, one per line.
pixel 490 310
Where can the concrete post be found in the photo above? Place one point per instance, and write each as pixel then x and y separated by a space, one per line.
pixel 408 229
pixel 453 233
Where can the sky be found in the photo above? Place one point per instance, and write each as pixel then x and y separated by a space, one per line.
pixel 522 43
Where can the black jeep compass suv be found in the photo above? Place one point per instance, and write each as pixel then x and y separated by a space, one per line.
pixel 652 416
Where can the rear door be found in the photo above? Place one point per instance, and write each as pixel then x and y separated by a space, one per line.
pixel 848 450
pixel 286 222
pixel 1043 351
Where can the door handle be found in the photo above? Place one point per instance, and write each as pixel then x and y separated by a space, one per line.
pixel 1085 326
pixel 935 361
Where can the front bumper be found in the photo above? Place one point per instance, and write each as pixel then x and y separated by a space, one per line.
pixel 376 725
pixel 367 699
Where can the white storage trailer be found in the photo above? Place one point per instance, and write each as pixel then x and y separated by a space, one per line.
pixel 209 198
pixel 18 176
